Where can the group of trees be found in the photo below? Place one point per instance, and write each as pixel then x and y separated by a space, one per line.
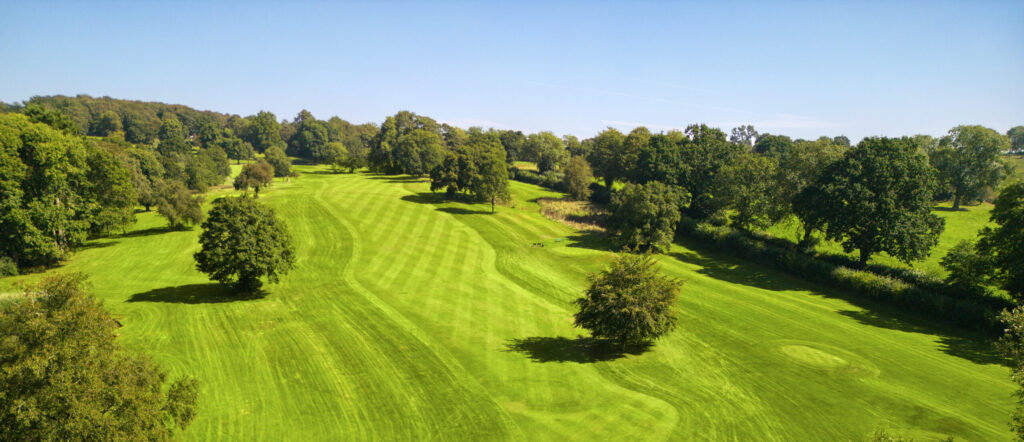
pixel 63 375
pixel 56 190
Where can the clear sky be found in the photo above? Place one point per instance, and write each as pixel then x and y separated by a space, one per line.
pixel 798 68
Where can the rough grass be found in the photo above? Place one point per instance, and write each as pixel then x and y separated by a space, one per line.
pixel 411 318
pixel 580 215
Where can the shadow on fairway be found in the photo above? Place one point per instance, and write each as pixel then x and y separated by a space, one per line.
pixel 208 293
pixel 152 231
pixel 581 350
pixel 949 209
pixel 439 198
pixel 396 178
pixel 743 273
pixel 963 344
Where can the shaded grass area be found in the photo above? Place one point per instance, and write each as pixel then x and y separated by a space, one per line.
pixel 411 317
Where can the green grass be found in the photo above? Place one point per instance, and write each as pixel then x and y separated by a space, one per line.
pixel 963 224
pixel 410 318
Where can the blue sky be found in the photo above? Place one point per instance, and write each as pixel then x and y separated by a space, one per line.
pixel 798 68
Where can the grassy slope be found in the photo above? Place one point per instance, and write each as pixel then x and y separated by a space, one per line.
pixel 408 318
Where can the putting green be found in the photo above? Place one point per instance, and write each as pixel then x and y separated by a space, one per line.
pixel 407 317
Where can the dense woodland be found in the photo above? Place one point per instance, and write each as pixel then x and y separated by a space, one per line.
pixel 75 168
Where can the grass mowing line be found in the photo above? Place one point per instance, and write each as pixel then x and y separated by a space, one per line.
pixel 454 372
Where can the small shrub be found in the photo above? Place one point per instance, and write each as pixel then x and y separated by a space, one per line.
pixel 8 267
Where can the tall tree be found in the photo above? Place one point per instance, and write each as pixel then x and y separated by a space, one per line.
pixel 547 150
pixel 645 215
pixel 108 123
pixel 63 375
pixel 745 135
pixel 172 138
pixel 264 131
pixel 751 186
pixel 968 161
pixel 773 145
pixel 704 153
pixel 607 157
pixel 877 198
pixel 243 241
pixel 279 161
pixel 801 166
pixel 1004 244
pixel 1016 136
pixel 578 178
pixel 629 302
pixel 178 205
pixel 255 175
pixel 491 180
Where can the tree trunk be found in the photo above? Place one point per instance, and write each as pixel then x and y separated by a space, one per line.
pixel 864 255
pixel 807 236
pixel 956 200
pixel 492 204
pixel 609 182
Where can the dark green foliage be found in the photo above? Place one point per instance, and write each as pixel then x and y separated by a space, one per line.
pixel 110 186
pixel 386 156
pixel 64 377
pixel 263 131
pixel 514 143
pixel 645 215
pixel 1012 345
pixel 8 267
pixel 629 302
pixel 801 166
pixel 703 156
pixel 546 150
pixel 574 146
pixel 310 139
pixel 255 175
pixel 477 167
pixel 1003 245
pixel 607 157
pixel 333 153
pixel 147 175
pixel 967 268
pixel 1016 136
pixel 877 198
pixel 968 161
pixel 243 241
pixel 578 178
pixel 751 187
pixel 108 123
pixel 744 135
pixel 46 201
pixel 660 160
pixel 279 161
pixel 773 145
pixel 418 152
pixel 207 168
pixel 176 203
pixel 53 118
pixel 235 148
pixel 172 138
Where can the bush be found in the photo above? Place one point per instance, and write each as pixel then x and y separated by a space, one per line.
pixel 8 267
pixel 911 290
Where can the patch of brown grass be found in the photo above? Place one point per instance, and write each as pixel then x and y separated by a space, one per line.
pixel 580 215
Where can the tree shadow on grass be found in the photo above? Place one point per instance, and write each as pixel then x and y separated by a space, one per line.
pixel 581 350
pixel 395 179
pixel 208 293
pixel 432 198
pixel 592 240
pixel 948 209
pixel 151 231
pixel 744 273
pixel 963 344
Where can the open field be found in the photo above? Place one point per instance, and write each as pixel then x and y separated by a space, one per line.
pixel 407 317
